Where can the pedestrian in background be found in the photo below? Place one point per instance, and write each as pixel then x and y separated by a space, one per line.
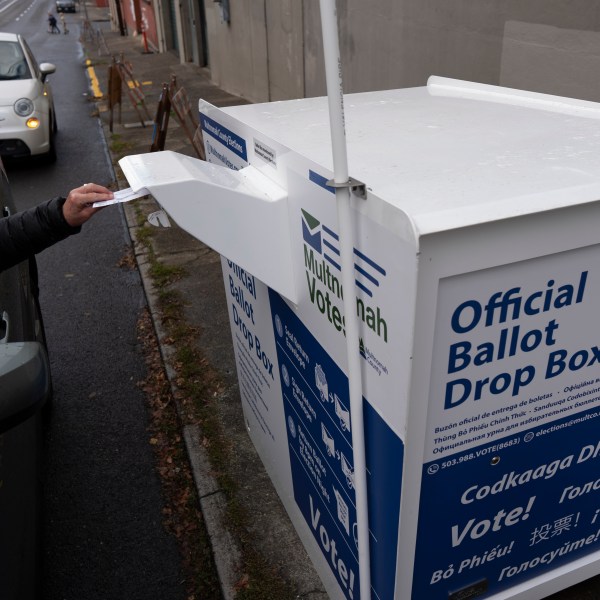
pixel 52 26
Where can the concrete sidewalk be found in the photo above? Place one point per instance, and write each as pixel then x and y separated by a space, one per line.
pixel 268 535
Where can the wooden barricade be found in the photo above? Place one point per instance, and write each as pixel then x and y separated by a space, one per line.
pixel 114 92
pixel 161 121
pixel 120 73
pixel 187 118
pixel 134 90
pixel 188 121
pixel 198 143
pixel 101 43
pixel 90 34
pixel 178 101
pixel 87 32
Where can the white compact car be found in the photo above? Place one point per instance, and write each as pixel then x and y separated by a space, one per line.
pixel 27 117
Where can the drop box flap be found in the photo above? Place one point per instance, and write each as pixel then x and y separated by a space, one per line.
pixel 242 214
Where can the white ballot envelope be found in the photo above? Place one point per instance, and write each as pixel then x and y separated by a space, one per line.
pixel 122 196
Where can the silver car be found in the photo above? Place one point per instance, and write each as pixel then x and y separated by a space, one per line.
pixel 27 115
pixel 66 6
pixel 25 392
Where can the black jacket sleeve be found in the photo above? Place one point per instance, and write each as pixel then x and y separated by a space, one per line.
pixel 31 231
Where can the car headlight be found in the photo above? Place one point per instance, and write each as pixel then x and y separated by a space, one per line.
pixel 23 107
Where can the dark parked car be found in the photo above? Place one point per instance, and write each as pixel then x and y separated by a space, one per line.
pixel 25 390
pixel 66 6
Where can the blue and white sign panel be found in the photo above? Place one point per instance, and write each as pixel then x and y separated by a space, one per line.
pixel 290 363
pixel 222 145
pixel 511 482
pixel 315 396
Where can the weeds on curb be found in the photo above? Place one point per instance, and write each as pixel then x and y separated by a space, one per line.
pixel 197 387
pixel 118 146
pixel 181 514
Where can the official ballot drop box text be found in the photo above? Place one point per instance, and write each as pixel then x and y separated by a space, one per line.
pixel 477 270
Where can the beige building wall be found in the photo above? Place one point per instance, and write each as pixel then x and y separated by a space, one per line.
pixel 272 49
pixel 285 45
pixel 237 50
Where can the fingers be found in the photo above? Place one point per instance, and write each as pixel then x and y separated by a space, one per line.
pixel 78 205
pixel 94 188
pixel 89 193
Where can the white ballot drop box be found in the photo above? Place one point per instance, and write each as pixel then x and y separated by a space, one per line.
pixel 477 291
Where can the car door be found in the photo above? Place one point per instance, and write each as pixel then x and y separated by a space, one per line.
pixel 24 388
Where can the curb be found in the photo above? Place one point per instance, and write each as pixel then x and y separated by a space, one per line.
pixel 213 506
pixel 226 553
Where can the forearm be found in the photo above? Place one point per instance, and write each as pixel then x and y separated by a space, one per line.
pixel 32 231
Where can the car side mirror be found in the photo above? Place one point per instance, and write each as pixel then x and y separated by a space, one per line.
pixel 24 381
pixel 46 69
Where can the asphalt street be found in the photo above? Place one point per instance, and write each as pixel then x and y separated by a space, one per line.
pixel 103 536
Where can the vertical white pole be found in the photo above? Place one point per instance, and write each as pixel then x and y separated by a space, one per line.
pixel 333 73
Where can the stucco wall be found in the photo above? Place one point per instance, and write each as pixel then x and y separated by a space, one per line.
pixel 285 45
pixel 238 49
pixel 272 48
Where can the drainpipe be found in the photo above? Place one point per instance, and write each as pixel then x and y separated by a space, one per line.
pixel 119 13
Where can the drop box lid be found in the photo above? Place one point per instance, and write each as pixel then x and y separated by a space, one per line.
pixel 453 153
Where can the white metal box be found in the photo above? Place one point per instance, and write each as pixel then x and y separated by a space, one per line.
pixel 477 290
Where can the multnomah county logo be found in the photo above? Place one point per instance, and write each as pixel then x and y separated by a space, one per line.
pixel 323 277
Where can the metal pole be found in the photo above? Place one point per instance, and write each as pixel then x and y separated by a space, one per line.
pixel 333 73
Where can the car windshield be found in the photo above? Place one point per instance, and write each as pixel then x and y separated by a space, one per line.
pixel 12 62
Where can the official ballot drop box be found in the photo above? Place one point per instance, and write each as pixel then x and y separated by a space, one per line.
pixel 477 270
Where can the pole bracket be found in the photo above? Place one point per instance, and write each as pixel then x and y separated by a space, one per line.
pixel 356 187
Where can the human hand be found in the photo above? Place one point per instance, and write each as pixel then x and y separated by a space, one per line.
pixel 78 208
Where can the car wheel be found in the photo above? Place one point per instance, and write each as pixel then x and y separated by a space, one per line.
pixel 50 156
pixel 49 404
pixel 40 333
